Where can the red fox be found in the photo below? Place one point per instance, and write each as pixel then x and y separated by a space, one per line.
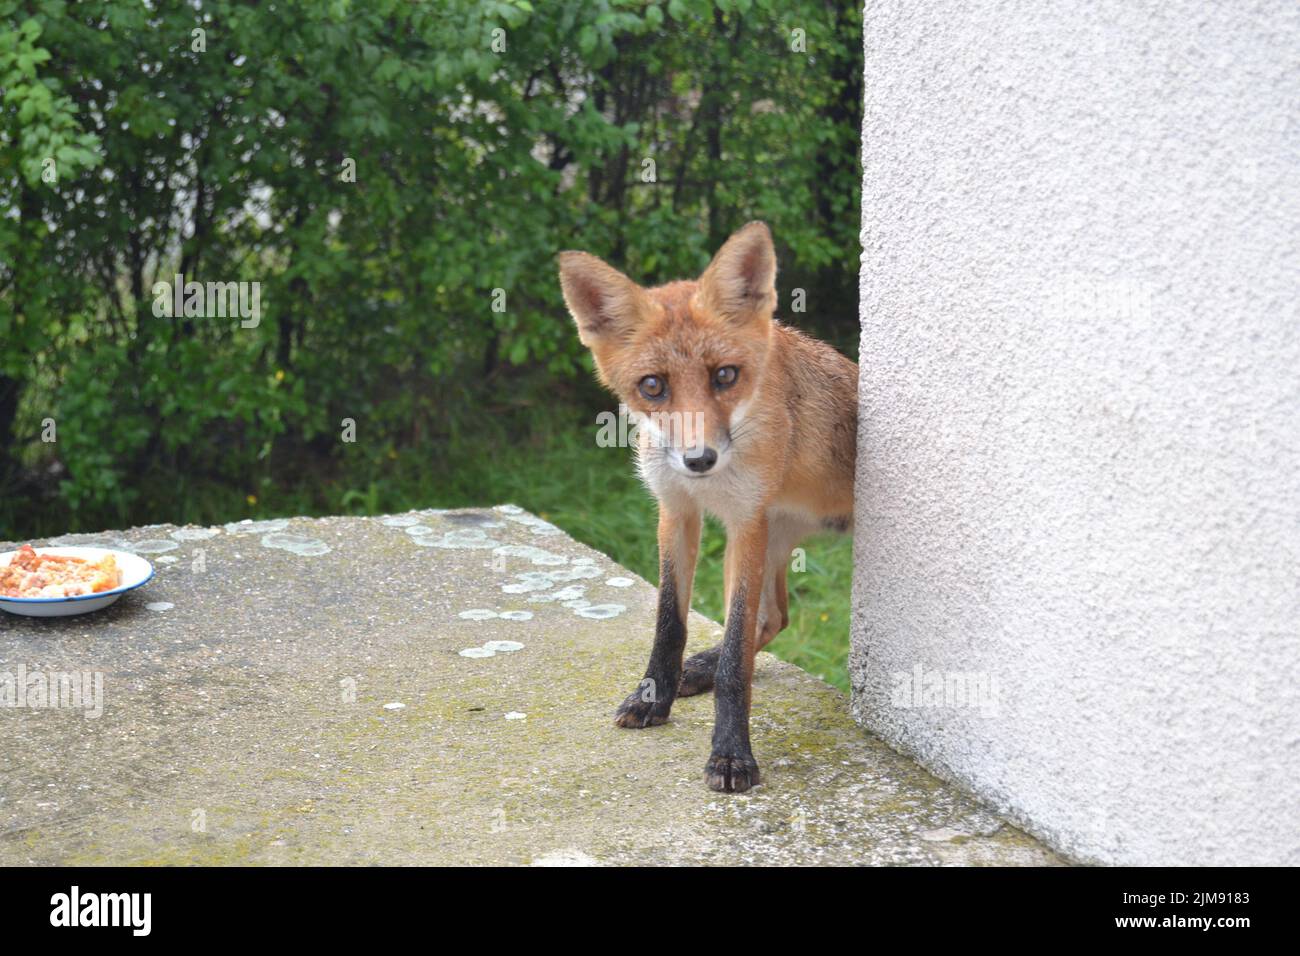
pixel 742 417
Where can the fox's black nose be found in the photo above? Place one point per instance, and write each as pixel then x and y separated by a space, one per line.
pixel 701 461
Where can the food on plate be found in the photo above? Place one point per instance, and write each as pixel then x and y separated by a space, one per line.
pixel 32 575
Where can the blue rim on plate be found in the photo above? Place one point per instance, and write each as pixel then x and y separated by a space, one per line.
pixel 87 597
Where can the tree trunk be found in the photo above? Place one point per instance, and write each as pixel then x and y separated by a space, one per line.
pixel 10 391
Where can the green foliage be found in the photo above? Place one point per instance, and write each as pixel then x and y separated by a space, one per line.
pixel 218 140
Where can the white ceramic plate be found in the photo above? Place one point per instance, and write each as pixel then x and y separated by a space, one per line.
pixel 136 572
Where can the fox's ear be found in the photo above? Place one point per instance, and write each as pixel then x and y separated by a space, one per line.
pixel 740 282
pixel 605 303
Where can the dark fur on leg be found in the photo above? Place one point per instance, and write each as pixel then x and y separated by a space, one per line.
pixel 651 702
pixel 698 671
pixel 732 767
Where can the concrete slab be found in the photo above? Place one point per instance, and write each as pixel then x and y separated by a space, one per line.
pixel 428 688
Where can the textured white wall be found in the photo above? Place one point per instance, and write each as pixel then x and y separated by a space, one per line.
pixel 1080 431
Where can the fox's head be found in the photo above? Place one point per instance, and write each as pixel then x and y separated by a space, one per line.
pixel 684 357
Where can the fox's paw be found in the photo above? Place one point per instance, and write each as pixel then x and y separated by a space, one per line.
pixel 697 673
pixel 728 774
pixel 637 712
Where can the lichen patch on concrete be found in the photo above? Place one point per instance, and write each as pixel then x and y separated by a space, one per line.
pixel 298 544
pixel 149 546
pixel 195 534
pixel 460 539
pixel 600 612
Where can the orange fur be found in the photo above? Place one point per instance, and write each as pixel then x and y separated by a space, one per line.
pixel 783 434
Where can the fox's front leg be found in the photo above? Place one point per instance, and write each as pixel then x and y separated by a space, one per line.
pixel 679 546
pixel 731 767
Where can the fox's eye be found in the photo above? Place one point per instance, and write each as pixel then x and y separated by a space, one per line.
pixel 726 376
pixel 652 386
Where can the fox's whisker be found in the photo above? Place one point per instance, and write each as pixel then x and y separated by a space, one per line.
pixel 741 433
